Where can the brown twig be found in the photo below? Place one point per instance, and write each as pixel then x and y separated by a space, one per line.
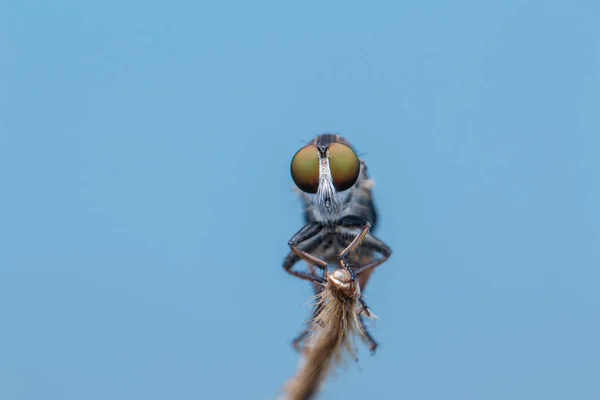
pixel 331 337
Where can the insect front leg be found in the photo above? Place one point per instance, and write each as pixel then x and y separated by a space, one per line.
pixel 306 240
pixel 346 227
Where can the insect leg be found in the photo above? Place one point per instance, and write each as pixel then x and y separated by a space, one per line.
pixel 309 258
pixel 307 238
pixel 367 336
pixel 354 222
pixel 371 242
pixel 365 307
pixel 348 223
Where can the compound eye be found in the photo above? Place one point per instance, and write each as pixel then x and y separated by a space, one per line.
pixel 344 166
pixel 305 169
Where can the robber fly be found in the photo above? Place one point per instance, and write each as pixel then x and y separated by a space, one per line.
pixel 339 213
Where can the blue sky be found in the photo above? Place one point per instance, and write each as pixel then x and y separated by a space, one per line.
pixel 146 198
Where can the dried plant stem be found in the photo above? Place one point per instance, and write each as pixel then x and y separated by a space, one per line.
pixel 332 334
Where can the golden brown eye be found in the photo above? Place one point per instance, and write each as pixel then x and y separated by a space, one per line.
pixel 344 166
pixel 305 169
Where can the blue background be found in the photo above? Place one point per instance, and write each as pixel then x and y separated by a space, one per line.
pixel 146 200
